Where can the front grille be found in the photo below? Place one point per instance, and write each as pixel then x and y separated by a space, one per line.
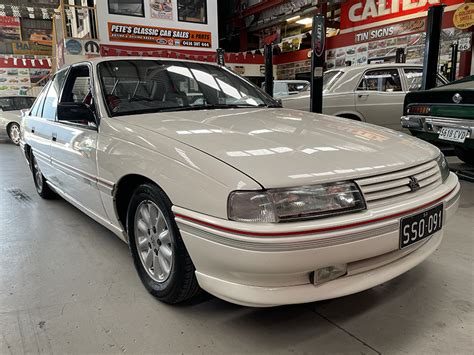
pixel 392 187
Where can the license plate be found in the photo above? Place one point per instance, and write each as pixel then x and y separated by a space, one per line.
pixel 453 134
pixel 420 226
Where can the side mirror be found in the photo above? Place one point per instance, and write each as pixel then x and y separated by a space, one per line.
pixel 77 112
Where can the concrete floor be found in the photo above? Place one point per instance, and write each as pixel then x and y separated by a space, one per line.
pixel 67 285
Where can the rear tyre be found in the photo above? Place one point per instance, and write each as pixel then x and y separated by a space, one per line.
pixel 13 131
pixel 42 188
pixel 466 155
pixel 158 251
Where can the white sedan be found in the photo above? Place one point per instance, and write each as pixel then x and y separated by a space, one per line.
pixel 371 93
pixel 214 186
pixel 10 115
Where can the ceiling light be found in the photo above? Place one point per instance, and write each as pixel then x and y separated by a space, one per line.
pixel 292 19
pixel 305 21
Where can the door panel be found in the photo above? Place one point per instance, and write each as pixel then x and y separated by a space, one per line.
pixel 74 156
pixel 74 146
pixel 379 97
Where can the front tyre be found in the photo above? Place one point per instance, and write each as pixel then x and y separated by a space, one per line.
pixel 158 251
pixel 42 188
pixel 14 132
pixel 466 155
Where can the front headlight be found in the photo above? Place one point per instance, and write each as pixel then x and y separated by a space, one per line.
pixel 443 167
pixel 299 203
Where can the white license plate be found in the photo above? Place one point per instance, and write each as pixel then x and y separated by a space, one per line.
pixel 453 134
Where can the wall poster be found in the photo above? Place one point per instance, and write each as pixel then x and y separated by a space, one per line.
pixel 162 9
pixel 10 28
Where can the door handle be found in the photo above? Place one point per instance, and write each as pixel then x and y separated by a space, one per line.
pixel 32 129
pixel 54 136
pixel 362 95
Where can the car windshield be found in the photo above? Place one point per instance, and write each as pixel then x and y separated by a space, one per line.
pixel 330 77
pixel 16 103
pixel 140 86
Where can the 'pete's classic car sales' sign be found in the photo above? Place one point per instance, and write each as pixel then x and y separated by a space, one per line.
pixel 362 12
pixel 158 35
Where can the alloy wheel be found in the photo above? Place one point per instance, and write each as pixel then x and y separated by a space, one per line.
pixel 153 241
pixel 14 133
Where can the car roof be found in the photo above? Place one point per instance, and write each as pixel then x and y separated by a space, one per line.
pixel 109 59
pixel 375 66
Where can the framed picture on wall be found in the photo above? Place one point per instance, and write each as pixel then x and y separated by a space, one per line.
pixel 127 8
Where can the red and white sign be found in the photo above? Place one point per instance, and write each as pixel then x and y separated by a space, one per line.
pixel 356 13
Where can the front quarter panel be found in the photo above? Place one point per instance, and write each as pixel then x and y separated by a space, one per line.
pixel 192 179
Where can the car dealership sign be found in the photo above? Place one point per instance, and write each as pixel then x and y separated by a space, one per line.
pixel 365 12
pixel 158 35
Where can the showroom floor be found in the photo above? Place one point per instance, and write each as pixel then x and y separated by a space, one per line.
pixel 69 285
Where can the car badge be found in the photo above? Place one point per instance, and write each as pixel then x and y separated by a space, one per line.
pixel 414 185
pixel 457 98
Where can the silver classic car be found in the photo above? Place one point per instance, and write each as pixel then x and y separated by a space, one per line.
pixel 371 93
pixel 10 115
pixel 215 186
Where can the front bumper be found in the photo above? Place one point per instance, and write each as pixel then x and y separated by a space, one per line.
pixel 428 127
pixel 270 264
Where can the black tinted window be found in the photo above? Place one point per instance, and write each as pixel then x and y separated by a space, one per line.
pixel 16 103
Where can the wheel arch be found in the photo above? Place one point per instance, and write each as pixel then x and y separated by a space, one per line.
pixel 123 192
pixel 351 115
pixel 27 150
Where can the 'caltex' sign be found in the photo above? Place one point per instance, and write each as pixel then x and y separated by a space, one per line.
pixel 362 12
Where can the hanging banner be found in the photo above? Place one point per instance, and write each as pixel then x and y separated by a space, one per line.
pixel 120 32
pixel 10 28
pixel 162 9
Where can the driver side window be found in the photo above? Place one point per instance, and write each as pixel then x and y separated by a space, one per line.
pixel 77 90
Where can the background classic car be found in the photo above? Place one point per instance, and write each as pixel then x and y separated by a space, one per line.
pixel 371 93
pixel 214 185
pixel 10 115
pixel 444 115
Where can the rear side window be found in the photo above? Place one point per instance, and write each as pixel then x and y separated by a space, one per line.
pixel 414 78
pixel 384 80
pixel 38 105
pixel 52 97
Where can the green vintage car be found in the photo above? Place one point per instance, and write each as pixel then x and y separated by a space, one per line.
pixel 444 115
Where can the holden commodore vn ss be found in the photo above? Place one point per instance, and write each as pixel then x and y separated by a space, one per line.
pixel 214 186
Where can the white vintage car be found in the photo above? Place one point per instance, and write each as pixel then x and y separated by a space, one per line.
pixel 10 115
pixel 214 186
pixel 371 93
